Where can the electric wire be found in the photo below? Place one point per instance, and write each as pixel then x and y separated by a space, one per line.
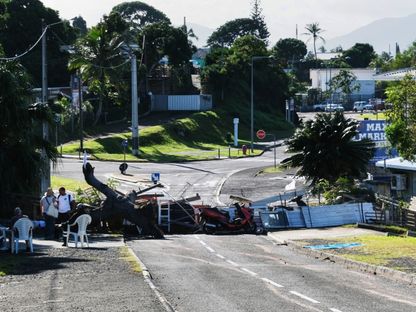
pixel 9 59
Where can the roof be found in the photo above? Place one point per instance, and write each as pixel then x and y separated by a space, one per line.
pixel 397 163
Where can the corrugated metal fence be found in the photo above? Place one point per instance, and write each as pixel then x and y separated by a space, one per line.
pixel 317 217
pixel 200 102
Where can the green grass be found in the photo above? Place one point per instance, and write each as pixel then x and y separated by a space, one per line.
pixel 69 184
pixel 373 116
pixel 196 137
pixel 379 250
pixel 269 170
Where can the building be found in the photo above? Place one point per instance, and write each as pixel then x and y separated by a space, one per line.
pixel 402 177
pixel 321 78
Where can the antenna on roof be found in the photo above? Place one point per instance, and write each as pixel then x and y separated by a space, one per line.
pixel 296 31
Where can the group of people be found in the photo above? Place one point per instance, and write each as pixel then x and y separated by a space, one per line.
pixel 63 204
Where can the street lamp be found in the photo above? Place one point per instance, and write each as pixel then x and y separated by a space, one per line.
pixel 253 58
pixel 130 49
pixel 46 172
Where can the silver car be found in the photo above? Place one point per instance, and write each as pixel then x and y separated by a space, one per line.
pixel 334 108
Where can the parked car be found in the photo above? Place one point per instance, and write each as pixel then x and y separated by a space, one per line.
pixel 368 107
pixel 359 106
pixel 319 107
pixel 378 104
pixel 334 108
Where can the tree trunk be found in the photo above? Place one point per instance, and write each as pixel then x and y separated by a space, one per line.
pixel 117 204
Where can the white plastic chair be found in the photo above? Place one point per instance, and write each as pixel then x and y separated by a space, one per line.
pixel 24 228
pixel 82 221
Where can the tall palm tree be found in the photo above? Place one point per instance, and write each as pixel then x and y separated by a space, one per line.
pixel 95 56
pixel 314 31
pixel 325 149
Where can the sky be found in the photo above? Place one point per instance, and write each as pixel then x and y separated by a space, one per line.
pixel 336 17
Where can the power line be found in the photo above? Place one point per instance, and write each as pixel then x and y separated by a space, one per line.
pixel 9 59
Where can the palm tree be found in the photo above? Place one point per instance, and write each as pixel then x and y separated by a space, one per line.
pixel 20 135
pixel 95 56
pixel 325 149
pixel 315 32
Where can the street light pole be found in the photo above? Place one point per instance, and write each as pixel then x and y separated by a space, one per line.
pixel 134 107
pixel 46 171
pixel 252 106
pixel 253 58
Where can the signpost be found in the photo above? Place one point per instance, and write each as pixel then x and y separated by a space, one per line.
pixel 123 167
pixel 261 134
pixel 155 177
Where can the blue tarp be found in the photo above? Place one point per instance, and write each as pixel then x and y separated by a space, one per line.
pixel 335 246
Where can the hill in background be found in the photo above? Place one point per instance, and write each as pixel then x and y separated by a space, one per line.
pixel 380 34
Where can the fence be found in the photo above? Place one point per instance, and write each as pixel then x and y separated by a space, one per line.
pixel 392 212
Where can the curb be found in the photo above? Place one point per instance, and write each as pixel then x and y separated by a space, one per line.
pixel 353 265
pixel 148 279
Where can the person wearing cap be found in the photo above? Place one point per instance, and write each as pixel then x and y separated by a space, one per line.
pixel 45 202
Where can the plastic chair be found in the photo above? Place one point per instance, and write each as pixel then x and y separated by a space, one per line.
pixel 22 230
pixel 82 222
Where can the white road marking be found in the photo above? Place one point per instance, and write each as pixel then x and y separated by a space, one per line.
pixel 197 237
pixel 232 263
pixel 219 256
pixel 210 249
pixel 335 310
pixel 271 282
pixel 303 297
pixel 203 243
pixel 54 301
pixel 249 272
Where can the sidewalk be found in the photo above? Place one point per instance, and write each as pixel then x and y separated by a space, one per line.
pixel 56 278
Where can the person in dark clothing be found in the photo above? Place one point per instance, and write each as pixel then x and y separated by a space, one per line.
pixel 17 215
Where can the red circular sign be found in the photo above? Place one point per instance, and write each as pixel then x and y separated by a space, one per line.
pixel 261 134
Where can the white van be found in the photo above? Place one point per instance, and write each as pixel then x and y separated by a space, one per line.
pixel 359 106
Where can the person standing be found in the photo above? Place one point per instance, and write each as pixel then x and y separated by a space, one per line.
pixel 65 202
pixel 47 200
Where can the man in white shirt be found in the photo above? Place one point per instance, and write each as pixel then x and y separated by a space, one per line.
pixel 65 202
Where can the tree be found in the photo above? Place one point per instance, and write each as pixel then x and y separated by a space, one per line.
pixel 314 31
pixel 80 25
pixel 225 35
pixel 289 50
pixel 345 81
pixel 96 56
pixel 261 28
pixel 360 55
pixel 228 71
pixel 20 134
pixel 325 149
pixel 139 14
pixel 164 39
pixel 20 28
pixel 401 132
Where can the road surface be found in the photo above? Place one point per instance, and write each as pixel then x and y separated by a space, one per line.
pixel 250 273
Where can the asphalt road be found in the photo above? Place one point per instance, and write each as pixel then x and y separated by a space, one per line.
pixel 250 273
pixel 181 179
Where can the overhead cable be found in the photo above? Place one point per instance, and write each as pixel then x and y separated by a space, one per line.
pixel 9 59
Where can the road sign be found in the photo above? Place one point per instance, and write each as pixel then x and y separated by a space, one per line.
pixel 155 177
pixel 261 134
pixel 124 143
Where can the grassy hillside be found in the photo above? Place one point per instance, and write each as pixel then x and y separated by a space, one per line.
pixel 198 136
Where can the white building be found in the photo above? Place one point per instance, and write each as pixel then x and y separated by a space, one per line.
pixel 365 79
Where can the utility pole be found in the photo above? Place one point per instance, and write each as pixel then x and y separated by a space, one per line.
pixel 81 119
pixel 45 170
pixel 134 106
